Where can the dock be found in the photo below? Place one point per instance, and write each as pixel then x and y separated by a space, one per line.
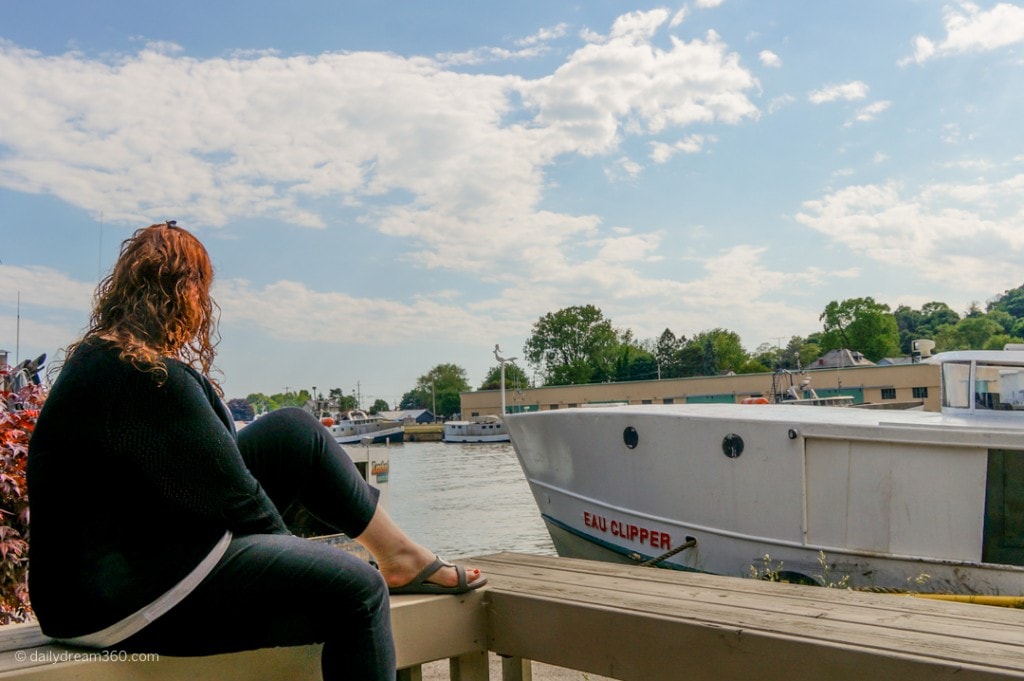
pixel 424 432
pixel 627 622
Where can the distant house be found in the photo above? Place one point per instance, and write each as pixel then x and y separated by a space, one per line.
pixel 895 361
pixel 840 359
pixel 409 415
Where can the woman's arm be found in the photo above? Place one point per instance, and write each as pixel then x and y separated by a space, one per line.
pixel 180 447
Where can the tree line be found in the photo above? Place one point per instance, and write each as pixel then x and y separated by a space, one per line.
pixel 579 344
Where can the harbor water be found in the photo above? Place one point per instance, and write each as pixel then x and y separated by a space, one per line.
pixel 465 500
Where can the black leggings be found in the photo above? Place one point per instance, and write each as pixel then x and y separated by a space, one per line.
pixel 280 590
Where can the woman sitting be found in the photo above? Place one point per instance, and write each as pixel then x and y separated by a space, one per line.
pixel 155 528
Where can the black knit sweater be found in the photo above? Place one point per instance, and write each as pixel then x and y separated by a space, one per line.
pixel 131 483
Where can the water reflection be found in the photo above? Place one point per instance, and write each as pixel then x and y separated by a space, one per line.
pixel 465 499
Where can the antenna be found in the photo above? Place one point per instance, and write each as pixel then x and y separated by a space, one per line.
pixel 99 256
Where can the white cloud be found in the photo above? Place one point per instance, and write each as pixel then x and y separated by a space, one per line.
pixel 705 4
pixel 528 47
pixel 443 160
pixel 218 140
pixel 584 104
pixel 624 168
pixel 54 309
pixel 44 287
pixel 870 112
pixel 780 102
pixel 848 91
pixel 971 29
pixel 693 144
pixel 973 232
pixel 544 35
pixel 289 311
pixel 770 59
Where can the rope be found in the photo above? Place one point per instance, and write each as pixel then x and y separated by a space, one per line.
pixel 689 543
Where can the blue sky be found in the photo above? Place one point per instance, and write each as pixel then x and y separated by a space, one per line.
pixel 384 187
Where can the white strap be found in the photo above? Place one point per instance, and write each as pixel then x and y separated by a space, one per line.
pixel 135 622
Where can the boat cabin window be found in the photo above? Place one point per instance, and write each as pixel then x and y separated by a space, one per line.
pixel 992 387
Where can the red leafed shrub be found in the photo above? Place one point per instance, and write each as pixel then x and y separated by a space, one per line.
pixel 18 412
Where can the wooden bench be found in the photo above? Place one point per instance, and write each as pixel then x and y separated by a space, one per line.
pixel 25 654
pixel 631 623
pixel 646 624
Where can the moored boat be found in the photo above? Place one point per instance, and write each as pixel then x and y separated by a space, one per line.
pixel 477 429
pixel 883 498
pixel 356 427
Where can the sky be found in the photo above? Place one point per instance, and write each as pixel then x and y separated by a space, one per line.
pixel 385 187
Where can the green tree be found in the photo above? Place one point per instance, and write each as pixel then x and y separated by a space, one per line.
pixel 1011 301
pixel 515 377
pixel 768 355
pixel 241 410
pixel 799 353
pixel 1003 318
pixel 438 390
pixel 260 403
pixel 860 324
pixel 573 345
pixel 263 403
pixel 807 353
pixel 634 363
pixel 668 351
pixel 924 323
pixel 379 405
pixel 970 333
pixel 416 399
pixel 713 352
pixel 339 401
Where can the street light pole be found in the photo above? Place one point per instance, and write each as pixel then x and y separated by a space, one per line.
pixel 501 361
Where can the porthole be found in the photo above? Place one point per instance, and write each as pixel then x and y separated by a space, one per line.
pixel 732 445
pixel 631 437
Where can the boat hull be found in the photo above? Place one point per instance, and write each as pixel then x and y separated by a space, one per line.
pixel 865 498
pixel 384 435
pixel 490 430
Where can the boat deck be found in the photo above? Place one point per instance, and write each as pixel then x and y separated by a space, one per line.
pixel 633 623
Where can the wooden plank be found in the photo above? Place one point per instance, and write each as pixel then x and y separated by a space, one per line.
pixel 516 669
pixel 956 619
pixel 414 673
pixel 830 609
pixel 415 620
pixel 470 667
pixel 428 628
pixel 636 623
pixel 301 663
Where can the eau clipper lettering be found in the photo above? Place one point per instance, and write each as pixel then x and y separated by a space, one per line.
pixel 623 530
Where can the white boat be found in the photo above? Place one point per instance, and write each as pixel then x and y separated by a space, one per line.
pixel 900 499
pixel 477 429
pixel 356 427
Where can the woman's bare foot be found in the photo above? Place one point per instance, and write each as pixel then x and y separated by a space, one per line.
pixel 400 559
pixel 400 569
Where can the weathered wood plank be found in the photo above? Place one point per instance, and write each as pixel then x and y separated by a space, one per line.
pixel 26 654
pixel 627 623
pixel 631 623
pixel 428 628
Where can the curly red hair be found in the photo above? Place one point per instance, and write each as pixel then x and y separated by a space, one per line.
pixel 156 303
